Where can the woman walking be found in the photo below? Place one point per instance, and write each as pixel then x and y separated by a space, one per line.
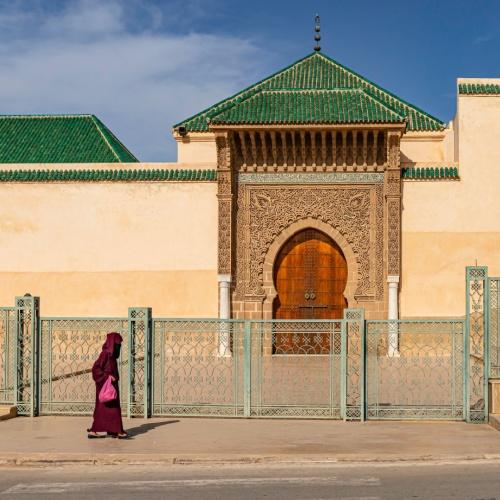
pixel 107 415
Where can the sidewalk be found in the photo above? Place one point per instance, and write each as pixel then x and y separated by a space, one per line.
pixel 63 440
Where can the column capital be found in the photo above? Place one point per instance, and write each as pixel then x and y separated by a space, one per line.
pixel 224 278
pixel 393 278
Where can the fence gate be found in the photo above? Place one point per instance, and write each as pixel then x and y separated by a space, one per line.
pixel 415 369
pixel 295 368
pixel 69 348
pixel 278 368
pixel 494 326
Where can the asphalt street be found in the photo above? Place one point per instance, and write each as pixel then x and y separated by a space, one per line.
pixel 471 481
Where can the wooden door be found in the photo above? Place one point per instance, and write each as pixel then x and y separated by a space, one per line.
pixel 310 277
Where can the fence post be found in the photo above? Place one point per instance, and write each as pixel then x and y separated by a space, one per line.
pixel 353 363
pixel 247 369
pixel 139 362
pixel 476 350
pixel 27 356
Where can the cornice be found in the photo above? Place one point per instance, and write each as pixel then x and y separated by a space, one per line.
pixel 107 175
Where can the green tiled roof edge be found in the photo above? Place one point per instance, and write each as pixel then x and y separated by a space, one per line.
pixel 246 92
pixel 115 175
pixel 117 147
pixel 240 93
pixel 478 88
pixel 101 146
pixel 394 96
pixel 393 116
pixel 430 173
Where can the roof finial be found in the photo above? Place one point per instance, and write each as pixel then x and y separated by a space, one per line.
pixel 317 36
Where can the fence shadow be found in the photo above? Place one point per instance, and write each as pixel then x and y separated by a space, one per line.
pixel 142 429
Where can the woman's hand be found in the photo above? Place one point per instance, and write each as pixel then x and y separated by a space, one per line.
pixel 113 379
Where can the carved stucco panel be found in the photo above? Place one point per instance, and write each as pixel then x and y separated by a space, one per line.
pixel 263 212
pixel 394 236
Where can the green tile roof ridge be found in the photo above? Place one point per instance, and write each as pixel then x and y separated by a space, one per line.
pixel 122 153
pixel 479 88
pixel 109 175
pixel 69 138
pixel 325 69
pixel 430 173
pixel 324 106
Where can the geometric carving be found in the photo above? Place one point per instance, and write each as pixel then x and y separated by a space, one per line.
pixel 225 221
pixel 311 178
pixel 393 236
pixel 393 198
pixel 263 212
pixel 225 197
pixel 393 154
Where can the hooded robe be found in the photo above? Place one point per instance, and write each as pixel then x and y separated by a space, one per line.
pixel 107 416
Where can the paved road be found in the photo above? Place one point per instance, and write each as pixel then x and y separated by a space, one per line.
pixel 473 481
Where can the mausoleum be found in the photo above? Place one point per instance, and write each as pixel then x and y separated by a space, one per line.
pixel 310 191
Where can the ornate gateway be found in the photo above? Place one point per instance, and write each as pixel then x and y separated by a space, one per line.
pixel 313 147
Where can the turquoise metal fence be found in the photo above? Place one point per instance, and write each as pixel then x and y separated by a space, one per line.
pixel 69 347
pixel 295 368
pixel 353 359
pixel 139 362
pixel 477 344
pixel 347 368
pixel 494 326
pixel 272 369
pixel 423 378
pixel 26 374
pixel 199 367
pixel 7 348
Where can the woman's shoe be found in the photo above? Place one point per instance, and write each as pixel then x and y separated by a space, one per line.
pixel 94 435
pixel 123 436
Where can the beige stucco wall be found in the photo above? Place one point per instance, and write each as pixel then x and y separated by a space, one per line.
pixel 197 148
pixel 448 225
pixel 432 148
pixel 98 248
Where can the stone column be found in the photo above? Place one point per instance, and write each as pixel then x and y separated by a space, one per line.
pixel 393 340
pixel 224 314
pixel 224 296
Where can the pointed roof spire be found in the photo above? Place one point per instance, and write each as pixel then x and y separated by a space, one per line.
pixel 317 36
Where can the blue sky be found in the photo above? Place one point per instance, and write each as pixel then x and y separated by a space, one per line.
pixel 143 65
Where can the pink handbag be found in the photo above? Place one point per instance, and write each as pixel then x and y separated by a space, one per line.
pixel 108 392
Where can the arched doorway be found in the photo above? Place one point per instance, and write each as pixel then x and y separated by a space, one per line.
pixel 310 276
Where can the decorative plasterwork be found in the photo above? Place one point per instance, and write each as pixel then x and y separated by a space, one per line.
pixel 225 197
pixel 311 178
pixel 394 236
pixel 265 211
pixel 393 210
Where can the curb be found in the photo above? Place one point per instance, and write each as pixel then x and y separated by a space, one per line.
pixel 59 460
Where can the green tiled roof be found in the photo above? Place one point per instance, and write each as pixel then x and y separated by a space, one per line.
pixel 478 88
pixel 317 72
pixel 107 175
pixel 59 139
pixel 308 106
pixel 430 173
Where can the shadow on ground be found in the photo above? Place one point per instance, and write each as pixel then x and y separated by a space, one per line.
pixel 142 429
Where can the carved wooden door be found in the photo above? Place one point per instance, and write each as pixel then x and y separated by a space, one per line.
pixel 310 277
